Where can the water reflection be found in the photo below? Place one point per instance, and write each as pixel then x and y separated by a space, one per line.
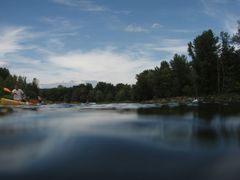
pixel 204 111
pixel 121 141
pixel 202 125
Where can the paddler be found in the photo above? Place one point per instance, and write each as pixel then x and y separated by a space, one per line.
pixel 18 94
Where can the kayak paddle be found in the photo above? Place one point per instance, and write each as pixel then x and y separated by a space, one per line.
pixel 7 90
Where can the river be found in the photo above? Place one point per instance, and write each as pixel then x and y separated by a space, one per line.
pixel 120 141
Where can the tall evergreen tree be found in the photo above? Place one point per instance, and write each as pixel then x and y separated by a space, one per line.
pixel 204 52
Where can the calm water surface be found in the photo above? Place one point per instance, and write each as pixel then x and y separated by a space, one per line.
pixel 120 141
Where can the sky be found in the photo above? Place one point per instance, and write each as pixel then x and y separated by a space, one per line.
pixel 77 41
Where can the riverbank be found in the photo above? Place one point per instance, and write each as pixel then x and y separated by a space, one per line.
pixel 223 98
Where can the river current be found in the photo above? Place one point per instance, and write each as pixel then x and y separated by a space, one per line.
pixel 120 141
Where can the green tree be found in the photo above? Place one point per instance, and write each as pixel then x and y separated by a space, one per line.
pixel 107 91
pixel 228 63
pixel 80 93
pixel 181 76
pixel 162 81
pixel 204 52
pixel 144 85
pixel 4 73
pixel 123 92
pixel 32 89
pixel 99 96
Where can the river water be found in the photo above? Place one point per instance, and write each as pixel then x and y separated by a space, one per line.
pixel 120 141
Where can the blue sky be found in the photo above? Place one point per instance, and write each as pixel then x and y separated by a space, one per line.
pixel 75 41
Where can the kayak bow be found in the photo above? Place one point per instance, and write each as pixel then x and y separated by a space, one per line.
pixel 5 101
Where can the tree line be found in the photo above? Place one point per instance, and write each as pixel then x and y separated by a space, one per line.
pixel 103 92
pixel 214 68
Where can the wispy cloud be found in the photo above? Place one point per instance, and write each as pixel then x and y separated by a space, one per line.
pixel 61 27
pixel 57 21
pixel 15 40
pixel 172 46
pixel 181 30
pixel 172 49
pixel 90 6
pixel 221 1
pixel 230 23
pixel 213 8
pixel 209 8
pixel 217 10
pixel 55 43
pixel 135 28
pixel 84 5
pixel 169 46
pixel 12 39
pixel 22 61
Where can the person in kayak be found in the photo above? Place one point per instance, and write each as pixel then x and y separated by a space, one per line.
pixel 18 94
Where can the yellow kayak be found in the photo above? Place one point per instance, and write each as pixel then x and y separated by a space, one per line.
pixel 5 101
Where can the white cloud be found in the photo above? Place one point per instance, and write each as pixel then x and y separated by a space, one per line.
pixel 156 25
pixel 80 67
pixel 100 65
pixel 135 28
pixel 84 5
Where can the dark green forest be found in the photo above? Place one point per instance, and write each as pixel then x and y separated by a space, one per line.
pixel 213 69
